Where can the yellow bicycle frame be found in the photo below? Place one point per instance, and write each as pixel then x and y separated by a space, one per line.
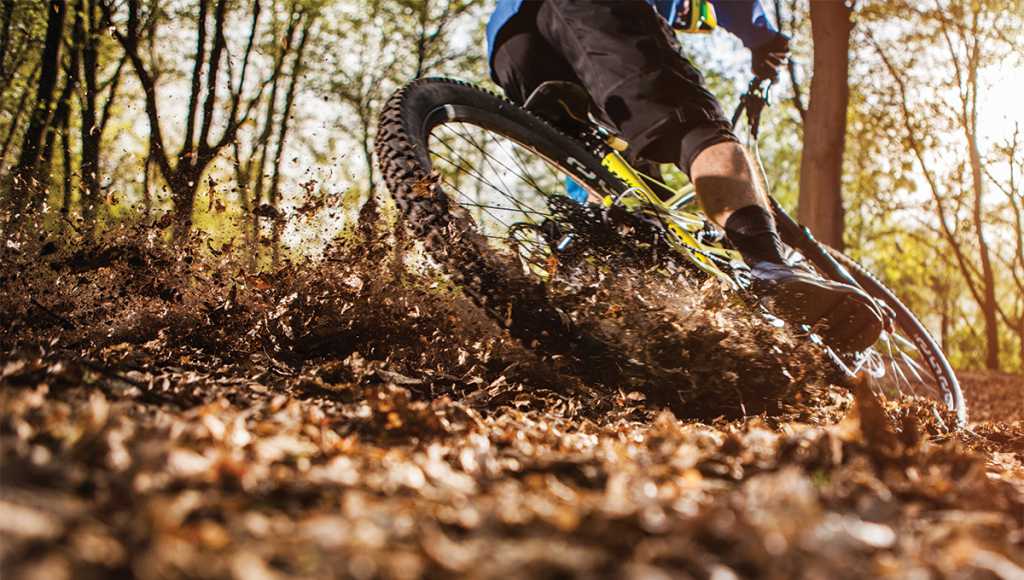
pixel 684 225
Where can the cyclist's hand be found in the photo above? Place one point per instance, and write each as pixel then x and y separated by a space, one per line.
pixel 769 58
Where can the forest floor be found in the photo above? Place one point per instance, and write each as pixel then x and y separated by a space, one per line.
pixel 164 416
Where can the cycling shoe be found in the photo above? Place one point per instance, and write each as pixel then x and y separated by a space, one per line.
pixel 844 316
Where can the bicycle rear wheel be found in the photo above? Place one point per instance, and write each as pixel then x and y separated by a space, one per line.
pixel 477 177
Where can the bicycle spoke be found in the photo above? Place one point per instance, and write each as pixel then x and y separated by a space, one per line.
pixel 913 366
pixel 502 208
pixel 512 198
pixel 507 202
pixel 519 162
pixel 465 195
pixel 487 211
pixel 487 159
pixel 520 176
pixel 477 174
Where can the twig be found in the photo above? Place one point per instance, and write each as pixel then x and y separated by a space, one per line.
pixel 67 324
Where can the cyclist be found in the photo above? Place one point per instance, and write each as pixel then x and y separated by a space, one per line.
pixel 625 54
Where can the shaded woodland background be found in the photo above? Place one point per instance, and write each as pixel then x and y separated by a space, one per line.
pixel 895 134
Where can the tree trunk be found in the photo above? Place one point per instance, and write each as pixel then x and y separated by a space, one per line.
pixel 1020 343
pixel 62 112
pixel 147 178
pixel 243 172
pixel 18 114
pixel 89 166
pixel 988 281
pixel 988 304
pixel 65 150
pixel 5 34
pixel 184 183
pixel 821 168
pixel 369 214
pixel 945 317
pixel 28 161
pixel 263 141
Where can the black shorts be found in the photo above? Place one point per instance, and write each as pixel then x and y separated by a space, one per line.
pixel 628 59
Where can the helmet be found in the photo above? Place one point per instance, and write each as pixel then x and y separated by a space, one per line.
pixel 696 16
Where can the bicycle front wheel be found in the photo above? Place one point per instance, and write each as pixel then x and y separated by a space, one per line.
pixel 906 361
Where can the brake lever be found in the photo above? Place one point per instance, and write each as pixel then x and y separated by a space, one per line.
pixel 753 101
pixel 761 88
pixel 757 97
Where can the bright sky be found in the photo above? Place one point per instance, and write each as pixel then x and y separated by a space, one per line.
pixel 1000 103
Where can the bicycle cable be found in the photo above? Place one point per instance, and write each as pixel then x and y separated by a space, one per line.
pixel 753 102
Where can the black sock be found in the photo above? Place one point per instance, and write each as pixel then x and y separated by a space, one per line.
pixel 752 230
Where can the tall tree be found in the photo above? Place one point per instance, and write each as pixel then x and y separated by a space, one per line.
pixel 6 23
pixel 17 114
pixel 22 32
pixel 27 179
pixel 62 111
pixel 254 170
pixel 282 134
pixel 1010 155
pixel 967 82
pixel 92 133
pixel 821 168
pixel 95 114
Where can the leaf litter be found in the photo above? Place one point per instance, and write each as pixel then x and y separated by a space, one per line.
pixel 164 414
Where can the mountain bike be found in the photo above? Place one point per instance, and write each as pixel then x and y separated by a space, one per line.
pixel 491 187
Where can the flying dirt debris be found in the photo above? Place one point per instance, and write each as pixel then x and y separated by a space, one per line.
pixel 166 415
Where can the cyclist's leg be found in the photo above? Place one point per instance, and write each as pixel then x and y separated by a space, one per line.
pixel 733 198
pixel 629 61
pixel 523 59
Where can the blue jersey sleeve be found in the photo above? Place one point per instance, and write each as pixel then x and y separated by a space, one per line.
pixel 503 11
pixel 746 19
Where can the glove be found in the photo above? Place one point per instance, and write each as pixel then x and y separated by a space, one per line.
pixel 770 57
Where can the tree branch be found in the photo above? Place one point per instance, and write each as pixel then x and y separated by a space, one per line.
pixel 197 75
pixel 130 43
pixel 114 80
pixel 211 80
pixel 933 187
pixel 236 97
